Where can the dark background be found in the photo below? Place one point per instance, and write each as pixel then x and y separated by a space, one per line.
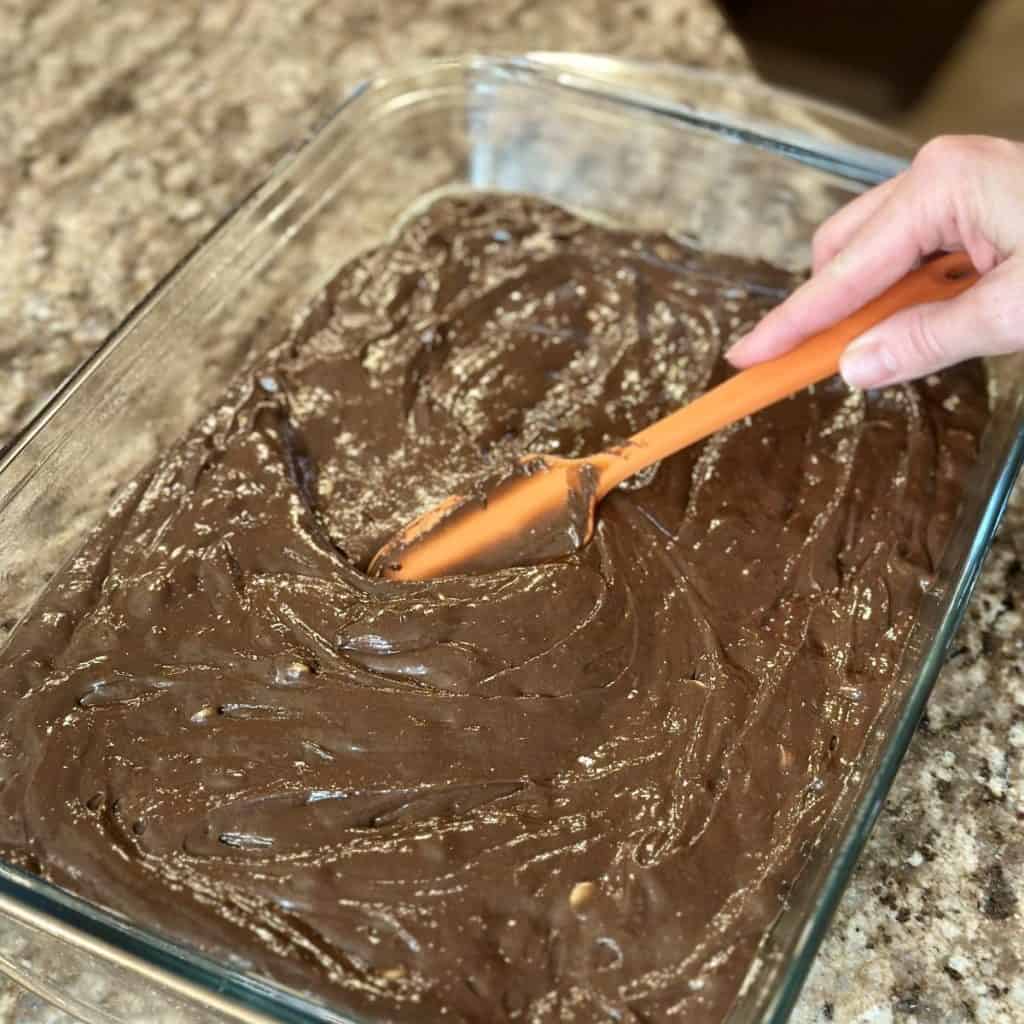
pixel 878 56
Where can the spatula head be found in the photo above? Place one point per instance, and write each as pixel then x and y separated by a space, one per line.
pixel 540 509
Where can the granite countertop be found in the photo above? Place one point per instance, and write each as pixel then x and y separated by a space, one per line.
pixel 131 128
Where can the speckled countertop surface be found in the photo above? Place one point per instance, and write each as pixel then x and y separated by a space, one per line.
pixel 129 129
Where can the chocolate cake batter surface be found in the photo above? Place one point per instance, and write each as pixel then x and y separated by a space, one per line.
pixel 576 791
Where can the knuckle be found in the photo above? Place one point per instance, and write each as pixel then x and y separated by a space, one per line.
pixel 952 155
pixel 947 201
pixel 821 243
pixel 948 158
pixel 922 346
pixel 939 153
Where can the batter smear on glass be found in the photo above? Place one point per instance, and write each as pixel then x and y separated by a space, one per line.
pixel 576 791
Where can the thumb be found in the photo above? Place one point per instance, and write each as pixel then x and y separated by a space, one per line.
pixel 986 320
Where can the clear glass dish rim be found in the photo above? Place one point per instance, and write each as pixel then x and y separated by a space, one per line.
pixel 554 68
pixel 592 65
pixel 28 898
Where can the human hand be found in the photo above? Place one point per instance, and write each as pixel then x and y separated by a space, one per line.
pixel 960 193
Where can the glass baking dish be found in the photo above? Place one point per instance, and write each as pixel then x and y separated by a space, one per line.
pixel 723 161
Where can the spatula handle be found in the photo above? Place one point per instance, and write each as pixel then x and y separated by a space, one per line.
pixel 754 389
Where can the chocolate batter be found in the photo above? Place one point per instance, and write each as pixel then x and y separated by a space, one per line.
pixel 575 791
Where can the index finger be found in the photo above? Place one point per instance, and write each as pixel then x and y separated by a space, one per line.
pixel 837 231
pixel 883 249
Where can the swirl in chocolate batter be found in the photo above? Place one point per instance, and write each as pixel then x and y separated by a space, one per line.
pixel 574 791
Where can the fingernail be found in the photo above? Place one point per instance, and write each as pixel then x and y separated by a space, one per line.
pixel 864 363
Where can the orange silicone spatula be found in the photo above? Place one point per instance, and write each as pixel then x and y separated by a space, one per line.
pixel 545 507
